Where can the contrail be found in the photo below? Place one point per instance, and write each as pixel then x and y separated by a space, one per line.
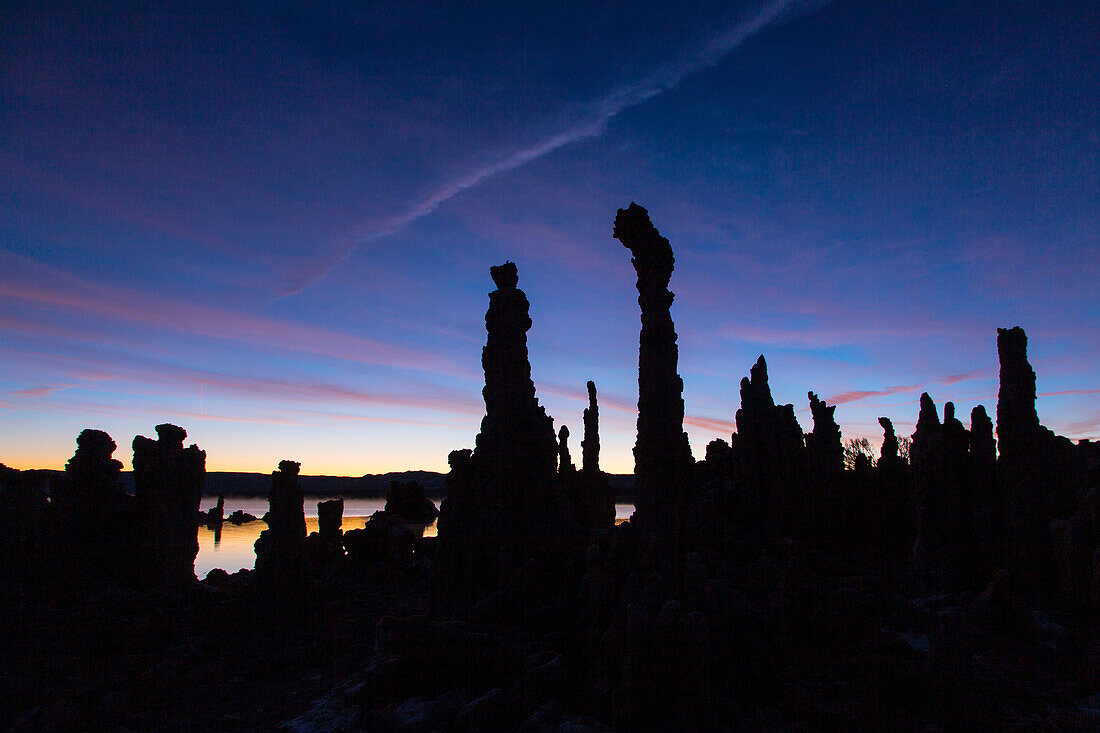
pixel 662 79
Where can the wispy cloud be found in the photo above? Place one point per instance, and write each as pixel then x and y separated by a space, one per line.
pixel 711 423
pixel 664 78
pixel 1068 392
pixel 856 395
pixel 145 371
pixel 46 286
pixel 40 391
pixel 966 376
pixel 949 380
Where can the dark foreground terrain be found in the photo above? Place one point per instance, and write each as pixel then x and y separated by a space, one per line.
pixel 777 584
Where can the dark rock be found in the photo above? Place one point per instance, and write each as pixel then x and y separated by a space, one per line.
pixel 591 493
pixel 825 459
pixel 662 455
pixel 330 515
pixel 25 523
pixel 95 516
pixel 985 495
pixel 239 517
pixel 384 538
pixel 1038 472
pixel 770 456
pixel 327 544
pixel 945 555
pixel 929 461
pixel 507 518
pixel 823 445
pixel 90 494
pixel 895 520
pixel 407 499
pixel 889 454
pixel 217 577
pixel 281 548
pixel 590 445
pixel 565 462
pixel 168 482
pixel 216 514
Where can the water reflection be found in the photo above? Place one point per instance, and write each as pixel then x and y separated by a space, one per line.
pixel 230 547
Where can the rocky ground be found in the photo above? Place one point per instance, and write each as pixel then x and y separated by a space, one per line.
pixel 840 655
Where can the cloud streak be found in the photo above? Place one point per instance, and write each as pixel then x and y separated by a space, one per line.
pixel 46 286
pixel 144 371
pixel 664 78
pixel 949 380
pixel 856 395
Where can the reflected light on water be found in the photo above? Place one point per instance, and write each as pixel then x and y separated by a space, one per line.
pixel 234 550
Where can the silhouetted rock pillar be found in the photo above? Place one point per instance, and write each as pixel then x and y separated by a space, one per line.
pixel 662 455
pixel 770 454
pixel 895 504
pixel 959 500
pixel 590 445
pixel 505 505
pixel 983 450
pixel 565 461
pixel 327 543
pixel 593 499
pixel 91 493
pixel 330 515
pixel 516 448
pixel 216 514
pixel 929 462
pixel 825 455
pixel 408 500
pixel 823 445
pixel 889 454
pixel 1027 501
pixel 93 513
pixel 988 504
pixel 280 549
pixel 1017 420
pixel 25 537
pixel 286 512
pixel 168 483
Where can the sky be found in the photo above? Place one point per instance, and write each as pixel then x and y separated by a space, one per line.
pixel 272 223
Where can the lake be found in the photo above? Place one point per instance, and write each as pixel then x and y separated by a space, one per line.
pixel 235 550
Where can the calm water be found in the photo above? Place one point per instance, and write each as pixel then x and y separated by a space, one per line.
pixel 235 550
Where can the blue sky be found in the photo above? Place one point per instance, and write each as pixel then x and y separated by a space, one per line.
pixel 272 223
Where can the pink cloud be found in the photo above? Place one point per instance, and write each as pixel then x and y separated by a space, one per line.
pixel 1068 392
pixel 433 399
pixel 605 399
pixel 710 423
pixel 40 391
pixel 623 404
pixel 965 377
pixel 856 395
pixel 46 286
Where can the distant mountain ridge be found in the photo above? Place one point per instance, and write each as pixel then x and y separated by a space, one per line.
pixel 371 485
pixel 367 486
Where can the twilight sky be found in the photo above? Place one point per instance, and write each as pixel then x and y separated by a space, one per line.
pixel 272 223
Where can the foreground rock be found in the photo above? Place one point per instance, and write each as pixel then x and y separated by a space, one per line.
pixel 281 548
pixel 507 528
pixel 326 545
pixel 407 499
pixel 662 456
pixel 168 481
